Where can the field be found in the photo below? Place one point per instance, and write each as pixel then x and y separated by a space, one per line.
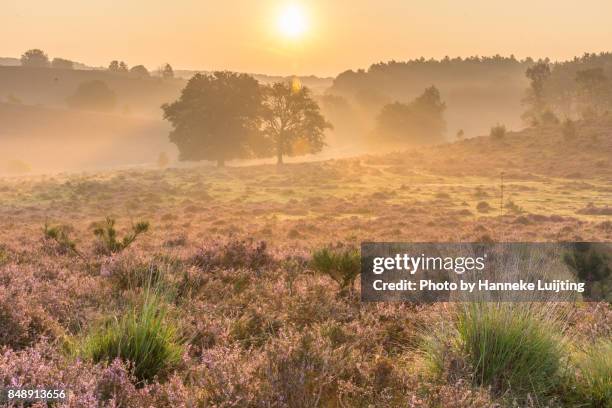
pixel 228 250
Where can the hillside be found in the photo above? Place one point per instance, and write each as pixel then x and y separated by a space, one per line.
pixel 524 154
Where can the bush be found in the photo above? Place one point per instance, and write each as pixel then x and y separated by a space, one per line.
pixel 108 235
pixel 593 383
pixel 143 337
pixel 498 132
pixel 343 265
pixel 510 348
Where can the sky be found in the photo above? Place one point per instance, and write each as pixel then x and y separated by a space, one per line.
pixel 333 36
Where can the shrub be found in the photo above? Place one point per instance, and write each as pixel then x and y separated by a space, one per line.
pixel 510 348
pixel 107 234
pixel 593 383
pixel 143 337
pixel 483 207
pixel 343 265
pixel 498 132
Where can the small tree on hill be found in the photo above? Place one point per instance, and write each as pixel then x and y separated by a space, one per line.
pixel 217 117
pixel 116 66
pixel 35 58
pixel 167 72
pixel 498 132
pixel 291 116
pixel 535 99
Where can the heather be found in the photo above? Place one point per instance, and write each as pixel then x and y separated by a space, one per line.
pixel 242 291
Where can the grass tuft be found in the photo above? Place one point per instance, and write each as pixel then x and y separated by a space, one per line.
pixel 510 348
pixel 593 381
pixel 143 337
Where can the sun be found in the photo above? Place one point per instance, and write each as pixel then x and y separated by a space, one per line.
pixel 292 21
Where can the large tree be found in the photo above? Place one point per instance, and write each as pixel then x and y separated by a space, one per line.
pixel 217 117
pixel 292 117
pixel 35 58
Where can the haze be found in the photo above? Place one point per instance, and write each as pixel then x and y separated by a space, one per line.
pixel 243 35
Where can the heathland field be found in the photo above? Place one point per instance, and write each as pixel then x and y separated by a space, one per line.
pixel 212 288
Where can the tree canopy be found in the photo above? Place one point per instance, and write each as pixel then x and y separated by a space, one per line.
pixel 217 117
pixel 291 118
pixel 35 58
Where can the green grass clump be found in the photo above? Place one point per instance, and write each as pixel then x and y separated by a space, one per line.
pixel 343 265
pixel 143 337
pixel 593 383
pixel 510 347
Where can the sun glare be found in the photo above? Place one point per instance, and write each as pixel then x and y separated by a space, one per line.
pixel 292 21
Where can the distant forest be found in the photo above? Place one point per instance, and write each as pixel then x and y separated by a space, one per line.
pixel 478 91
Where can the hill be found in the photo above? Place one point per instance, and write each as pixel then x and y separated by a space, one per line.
pixel 523 154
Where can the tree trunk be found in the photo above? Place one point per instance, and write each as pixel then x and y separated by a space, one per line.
pixel 221 163
pixel 279 158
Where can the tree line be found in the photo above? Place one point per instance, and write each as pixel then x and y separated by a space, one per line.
pixel 578 88
pixel 225 116
pixel 36 58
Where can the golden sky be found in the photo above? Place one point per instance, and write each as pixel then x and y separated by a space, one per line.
pixel 246 35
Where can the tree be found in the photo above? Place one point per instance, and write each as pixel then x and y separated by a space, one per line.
pixel 217 117
pixel 538 74
pixel 167 72
pixel 291 116
pixel 61 63
pixel 35 58
pixel 116 66
pixel 93 95
pixel 140 70
pixel 419 122
pixel 592 86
